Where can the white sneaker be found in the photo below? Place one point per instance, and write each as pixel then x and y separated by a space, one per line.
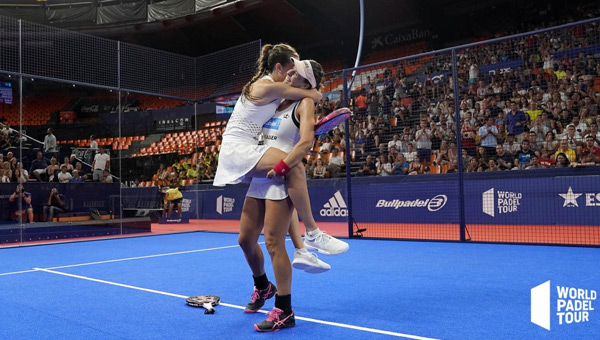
pixel 309 262
pixel 325 244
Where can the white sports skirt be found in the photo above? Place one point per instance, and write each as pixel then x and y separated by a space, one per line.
pixel 236 159
pixel 268 189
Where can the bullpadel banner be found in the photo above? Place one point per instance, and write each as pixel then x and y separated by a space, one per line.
pixel 566 200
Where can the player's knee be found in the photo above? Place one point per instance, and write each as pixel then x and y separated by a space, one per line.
pixel 245 241
pixel 273 243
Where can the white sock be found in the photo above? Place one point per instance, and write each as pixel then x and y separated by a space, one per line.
pixel 301 250
pixel 314 233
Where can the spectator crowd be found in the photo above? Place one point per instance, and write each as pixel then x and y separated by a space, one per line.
pixel 524 103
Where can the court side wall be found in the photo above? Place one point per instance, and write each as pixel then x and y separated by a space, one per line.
pixel 559 197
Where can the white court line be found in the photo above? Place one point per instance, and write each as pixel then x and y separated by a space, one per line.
pixel 126 259
pixel 19 272
pixel 343 325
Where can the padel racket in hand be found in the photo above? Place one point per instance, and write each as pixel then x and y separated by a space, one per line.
pixel 208 302
pixel 332 120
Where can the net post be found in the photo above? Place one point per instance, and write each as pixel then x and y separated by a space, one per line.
pixel 461 189
pixel 346 94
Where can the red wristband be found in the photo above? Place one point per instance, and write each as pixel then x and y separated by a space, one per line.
pixel 281 168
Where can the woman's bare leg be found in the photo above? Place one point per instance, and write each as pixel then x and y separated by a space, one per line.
pixel 277 219
pixel 251 224
pixel 294 231
pixel 298 194
pixel 296 180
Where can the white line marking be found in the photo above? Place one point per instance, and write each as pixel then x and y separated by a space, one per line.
pixel 343 325
pixel 19 272
pixel 144 257
pixel 130 258
pixel 125 259
pixel 109 282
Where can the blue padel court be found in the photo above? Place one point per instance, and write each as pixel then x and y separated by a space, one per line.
pixel 135 288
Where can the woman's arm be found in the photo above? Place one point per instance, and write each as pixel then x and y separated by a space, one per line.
pixel 266 91
pixel 306 113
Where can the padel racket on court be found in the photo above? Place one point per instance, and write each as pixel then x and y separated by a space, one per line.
pixel 332 120
pixel 208 302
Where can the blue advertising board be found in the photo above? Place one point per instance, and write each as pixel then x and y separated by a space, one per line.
pixel 534 201
pixel 407 202
pixel 526 198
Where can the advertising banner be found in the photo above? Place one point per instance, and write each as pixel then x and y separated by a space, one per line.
pixel 534 201
pixel 410 202
pixel 559 200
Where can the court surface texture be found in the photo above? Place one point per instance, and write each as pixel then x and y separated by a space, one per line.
pixel 135 288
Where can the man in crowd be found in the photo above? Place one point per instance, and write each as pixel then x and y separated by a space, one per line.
pixel 101 162
pixel 38 166
pixel 516 120
pixel 23 200
pixel 50 144
pixel 368 168
pixel 54 205
pixel 76 178
pixel 523 157
pixel 64 176
pixel 336 162
pixel 488 134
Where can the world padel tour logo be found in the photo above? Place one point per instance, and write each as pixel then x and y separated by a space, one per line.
pixel 336 206
pixel 572 305
pixel 225 204
pixel 186 203
pixel 432 204
pixel 502 202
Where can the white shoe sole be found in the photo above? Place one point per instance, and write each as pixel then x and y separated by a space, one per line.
pixel 308 268
pixel 324 252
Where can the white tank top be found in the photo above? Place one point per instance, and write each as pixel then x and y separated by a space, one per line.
pixel 247 119
pixel 283 130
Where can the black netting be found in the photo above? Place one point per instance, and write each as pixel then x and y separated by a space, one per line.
pixel 226 71
pixel 65 55
pixel 9 40
pixel 159 72
pixel 527 145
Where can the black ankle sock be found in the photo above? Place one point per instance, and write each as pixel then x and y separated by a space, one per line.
pixel 261 282
pixel 284 302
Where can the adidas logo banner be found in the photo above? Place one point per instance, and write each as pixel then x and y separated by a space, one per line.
pixel 329 204
pixel 336 206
